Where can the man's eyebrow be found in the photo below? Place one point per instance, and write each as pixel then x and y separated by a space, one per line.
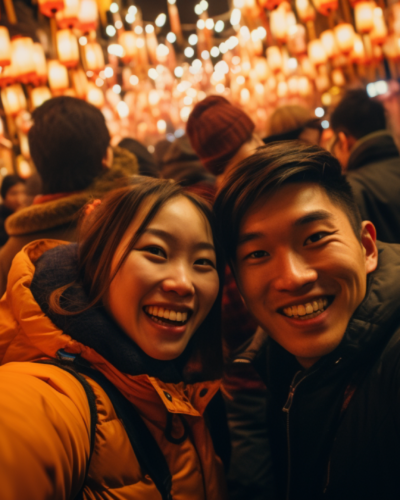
pixel 313 217
pixel 201 245
pixel 244 238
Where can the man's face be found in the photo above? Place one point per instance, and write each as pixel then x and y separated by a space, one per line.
pixel 301 269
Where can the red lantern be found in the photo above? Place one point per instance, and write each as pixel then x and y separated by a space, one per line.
pixel 363 14
pixel 68 17
pixel 325 7
pixel 50 7
pixel 22 59
pixel 67 48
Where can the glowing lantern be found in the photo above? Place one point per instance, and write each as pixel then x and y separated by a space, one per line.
pixel 94 57
pixel 40 63
pixel 270 4
pixel 325 7
pixel 244 96
pixel 316 52
pixel 379 32
pixel 338 78
pixel 357 55
pixel 87 17
pixel 308 68
pixel 297 39
pixel 162 53
pixel 363 14
pixel 391 48
pixel 80 83
pixel 262 69
pixel 95 96
pixel 278 24
pixel 282 90
pixel 68 17
pixel 13 99
pixel 152 44
pixel 7 75
pixel 274 58
pixel 5 47
pixel 304 86
pixel 344 33
pixel 293 85
pixel 39 95
pixel 67 47
pixel 322 83
pixel 127 39
pixel 329 42
pixel 58 76
pixel 22 58
pixel 305 10
pixel 50 7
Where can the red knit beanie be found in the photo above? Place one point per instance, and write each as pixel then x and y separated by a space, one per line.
pixel 216 130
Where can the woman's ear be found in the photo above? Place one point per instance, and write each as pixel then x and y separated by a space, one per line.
pixel 108 159
pixel 368 241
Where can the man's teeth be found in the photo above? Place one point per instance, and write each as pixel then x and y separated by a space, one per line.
pixel 305 309
pixel 160 312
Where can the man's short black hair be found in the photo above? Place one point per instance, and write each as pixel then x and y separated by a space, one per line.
pixel 270 168
pixel 358 115
pixel 8 182
pixel 68 140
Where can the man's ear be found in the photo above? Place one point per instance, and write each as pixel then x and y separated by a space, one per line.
pixel 368 241
pixel 108 159
pixel 346 142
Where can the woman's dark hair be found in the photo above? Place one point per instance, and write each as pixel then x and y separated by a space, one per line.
pixel 100 234
pixel 8 182
pixel 270 168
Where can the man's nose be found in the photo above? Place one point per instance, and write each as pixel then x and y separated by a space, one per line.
pixel 293 272
pixel 179 280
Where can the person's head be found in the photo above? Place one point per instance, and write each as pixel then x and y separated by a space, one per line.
pixel 149 255
pixel 147 164
pixel 356 116
pixel 293 122
pixel 296 243
pixel 221 134
pixel 13 192
pixel 69 144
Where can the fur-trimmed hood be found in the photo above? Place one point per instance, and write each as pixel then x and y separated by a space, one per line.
pixel 65 210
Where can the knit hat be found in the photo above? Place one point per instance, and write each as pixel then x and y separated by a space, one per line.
pixel 217 130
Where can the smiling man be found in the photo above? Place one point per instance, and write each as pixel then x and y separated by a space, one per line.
pixel 326 295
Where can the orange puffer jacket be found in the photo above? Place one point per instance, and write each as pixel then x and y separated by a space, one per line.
pixel 45 417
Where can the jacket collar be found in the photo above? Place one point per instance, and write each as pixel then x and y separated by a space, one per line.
pixel 376 146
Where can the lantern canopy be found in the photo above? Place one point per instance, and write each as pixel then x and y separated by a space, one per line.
pixel 364 18
pixel 5 47
pixel 50 7
pixel 13 99
pixel 58 76
pixel 344 33
pixel 67 48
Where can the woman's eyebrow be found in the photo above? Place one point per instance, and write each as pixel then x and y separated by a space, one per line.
pixel 201 245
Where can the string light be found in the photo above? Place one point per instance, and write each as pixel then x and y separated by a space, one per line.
pixel 214 52
pixel 178 71
pixel 117 89
pixel 198 10
pixel 193 39
pixel 189 52
pixel 171 37
pixel 138 30
pixel 149 28
pixel 110 30
pixel 133 80
pixel 161 20
pixel 114 8
pixel 118 24
pixel 108 72
pixel 219 26
pixel 200 24
pixel 235 17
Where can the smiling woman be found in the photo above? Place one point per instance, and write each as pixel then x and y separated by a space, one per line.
pixel 138 300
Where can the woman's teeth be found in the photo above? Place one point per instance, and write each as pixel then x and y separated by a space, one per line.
pixel 310 309
pixel 160 312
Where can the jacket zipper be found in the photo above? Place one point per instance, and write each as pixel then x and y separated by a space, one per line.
pixel 286 409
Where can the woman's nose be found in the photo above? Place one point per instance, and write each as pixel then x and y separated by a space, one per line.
pixel 293 272
pixel 179 281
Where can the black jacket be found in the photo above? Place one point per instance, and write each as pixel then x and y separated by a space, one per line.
pixel 4 213
pixel 374 176
pixel 337 435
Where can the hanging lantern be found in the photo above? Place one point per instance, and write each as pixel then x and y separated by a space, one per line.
pixel 13 99
pixel 308 68
pixel 270 4
pixel 5 47
pixel 328 40
pixel 379 32
pixel 304 86
pixel 152 43
pixel 50 7
pixel 22 58
pixel 162 53
pixel 297 40
pixel 322 83
pixel 80 83
pixel 262 69
pixel 39 95
pixel 391 48
pixel 40 64
pixel 363 14
pixel 174 18
pixel 95 96
pixel 338 78
pixel 68 17
pixel 316 52
pixel 7 75
pixel 94 57
pixel 282 90
pixel 274 58
pixel 67 48
pixel 325 7
pixel 357 55
pixel 344 33
pixel 127 39
pixel 278 24
pixel 293 85
pixel 87 17
pixel 58 76
pixel 305 10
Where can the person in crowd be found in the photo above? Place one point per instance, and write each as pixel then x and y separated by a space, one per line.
pixel 326 294
pixel 291 122
pixel 135 306
pixel 69 144
pixel 147 164
pixel 371 160
pixel 13 194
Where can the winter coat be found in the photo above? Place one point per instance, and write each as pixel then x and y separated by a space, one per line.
pixel 58 219
pixel 44 412
pixel 335 427
pixel 374 176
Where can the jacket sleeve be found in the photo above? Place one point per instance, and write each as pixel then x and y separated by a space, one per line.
pixel 44 433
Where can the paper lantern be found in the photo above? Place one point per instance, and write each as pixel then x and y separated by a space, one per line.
pixel 379 32
pixel 50 7
pixel 39 95
pixel 325 7
pixel 22 58
pixel 13 99
pixel 391 48
pixel 293 85
pixel 95 96
pixel 274 58
pixel 316 52
pixel 322 83
pixel 80 83
pixel 40 64
pixel 270 4
pixel 328 40
pixel 308 68
pixel 5 47
pixel 68 17
pixel 94 57
pixel 344 33
pixel 282 90
pixel 305 10
pixel 152 44
pixel 357 55
pixel 338 78
pixel 261 69
pixel 363 14
pixel 67 48
pixel 58 76
pixel 278 24
pixel 127 39
pixel 87 17
pixel 304 86
pixel 7 75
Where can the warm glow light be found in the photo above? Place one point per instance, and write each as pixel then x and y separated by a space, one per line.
pixel 161 126
pixel 94 57
pixel 192 39
pixel 344 33
pixel 219 26
pixel 178 72
pixel 5 47
pixel 235 17
pixel 316 52
pixel 13 99
pixel 379 31
pixel 305 10
pixel 68 17
pixel 133 80
pixel 161 20
pixel 363 14
pixel 274 58
pixel 39 95
pixel 122 109
pixel 127 39
pixel 189 52
pixel 116 49
pixel 58 76
pixel 110 30
pixel 40 63
pixel 67 48
pixel 50 7
pixel 95 96
pixel 329 42
pixel 87 17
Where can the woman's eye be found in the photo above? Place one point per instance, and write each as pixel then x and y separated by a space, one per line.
pixel 156 251
pixel 204 262
pixel 258 254
pixel 316 237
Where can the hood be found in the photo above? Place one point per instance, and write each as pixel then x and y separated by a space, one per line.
pixel 65 210
pixel 372 148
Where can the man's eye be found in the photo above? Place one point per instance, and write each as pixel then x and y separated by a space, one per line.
pixel 258 254
pixel 156 251
pixel 316 237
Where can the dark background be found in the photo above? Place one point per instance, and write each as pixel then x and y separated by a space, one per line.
pixel 151 9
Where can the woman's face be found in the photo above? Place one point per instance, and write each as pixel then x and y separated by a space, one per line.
pixel 168 283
